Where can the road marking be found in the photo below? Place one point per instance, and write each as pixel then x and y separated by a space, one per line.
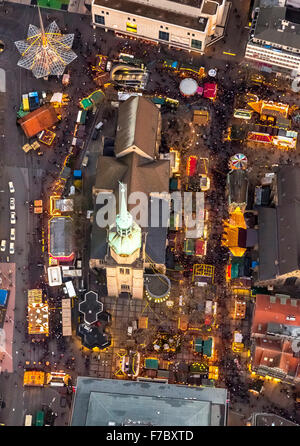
pixel 229 54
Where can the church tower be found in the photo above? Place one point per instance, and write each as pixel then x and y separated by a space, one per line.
pixel 125 269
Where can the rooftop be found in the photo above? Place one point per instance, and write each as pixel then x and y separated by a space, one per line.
pixel 93 336
pixel 278 25
pixel 238 186
pixel 101 401
pixel 38 120
pixel 279 231
pixel 209 8
pixel 158 285
pixel 134 130
pixel 275 358
pixel 61 236
pixel 278 309
pixel 155 13
pixel 91 307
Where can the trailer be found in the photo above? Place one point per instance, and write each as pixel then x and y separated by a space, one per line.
pixel 25 102
pixel 34 101
pixel 208 307
pixel 70 289
pixel 28 420
pixel 81 117
pixel 40 418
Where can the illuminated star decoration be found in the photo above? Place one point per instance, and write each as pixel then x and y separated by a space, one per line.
pixel 46 51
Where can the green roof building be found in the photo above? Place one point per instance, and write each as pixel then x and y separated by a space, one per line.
pixel 207 347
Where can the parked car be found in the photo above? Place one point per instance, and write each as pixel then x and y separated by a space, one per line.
pixel 13 218
pixel 11 187
pixel 13 234
pixel 12 204
pixel 108 65
pixel 12 248
pixel 3 245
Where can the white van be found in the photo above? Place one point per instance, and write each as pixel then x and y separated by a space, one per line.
pixel 99 125
pixel 85 161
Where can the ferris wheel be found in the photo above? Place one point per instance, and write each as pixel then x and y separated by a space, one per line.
pixel 238 161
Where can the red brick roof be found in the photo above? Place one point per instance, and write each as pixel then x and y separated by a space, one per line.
pixel 276 354
pixel 210 90
pixel 277 312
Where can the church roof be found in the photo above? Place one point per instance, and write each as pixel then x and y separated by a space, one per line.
pixel 138 125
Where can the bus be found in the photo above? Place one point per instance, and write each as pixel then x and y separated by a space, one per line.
pixel 28 420
pixel 39 420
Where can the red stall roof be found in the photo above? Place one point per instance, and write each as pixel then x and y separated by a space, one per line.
pixel 200 247
pixel 210 90
pixel 191 167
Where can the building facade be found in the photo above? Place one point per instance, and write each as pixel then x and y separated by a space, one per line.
pixel 274 41
pixel 187 24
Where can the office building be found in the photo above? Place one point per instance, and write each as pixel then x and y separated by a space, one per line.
pixel 107 402
pixel 186 24
pixel 274 41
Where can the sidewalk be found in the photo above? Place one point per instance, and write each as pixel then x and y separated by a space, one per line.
pixel 6 335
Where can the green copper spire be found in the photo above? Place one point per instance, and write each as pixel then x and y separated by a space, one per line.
pixel 124 218
pixel 125 236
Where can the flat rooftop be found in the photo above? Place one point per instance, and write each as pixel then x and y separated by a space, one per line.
pixel 152 12
pixel 61 236
pixel 101 401
pixel 271 26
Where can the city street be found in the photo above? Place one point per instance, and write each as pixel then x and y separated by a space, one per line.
pixel 34 175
